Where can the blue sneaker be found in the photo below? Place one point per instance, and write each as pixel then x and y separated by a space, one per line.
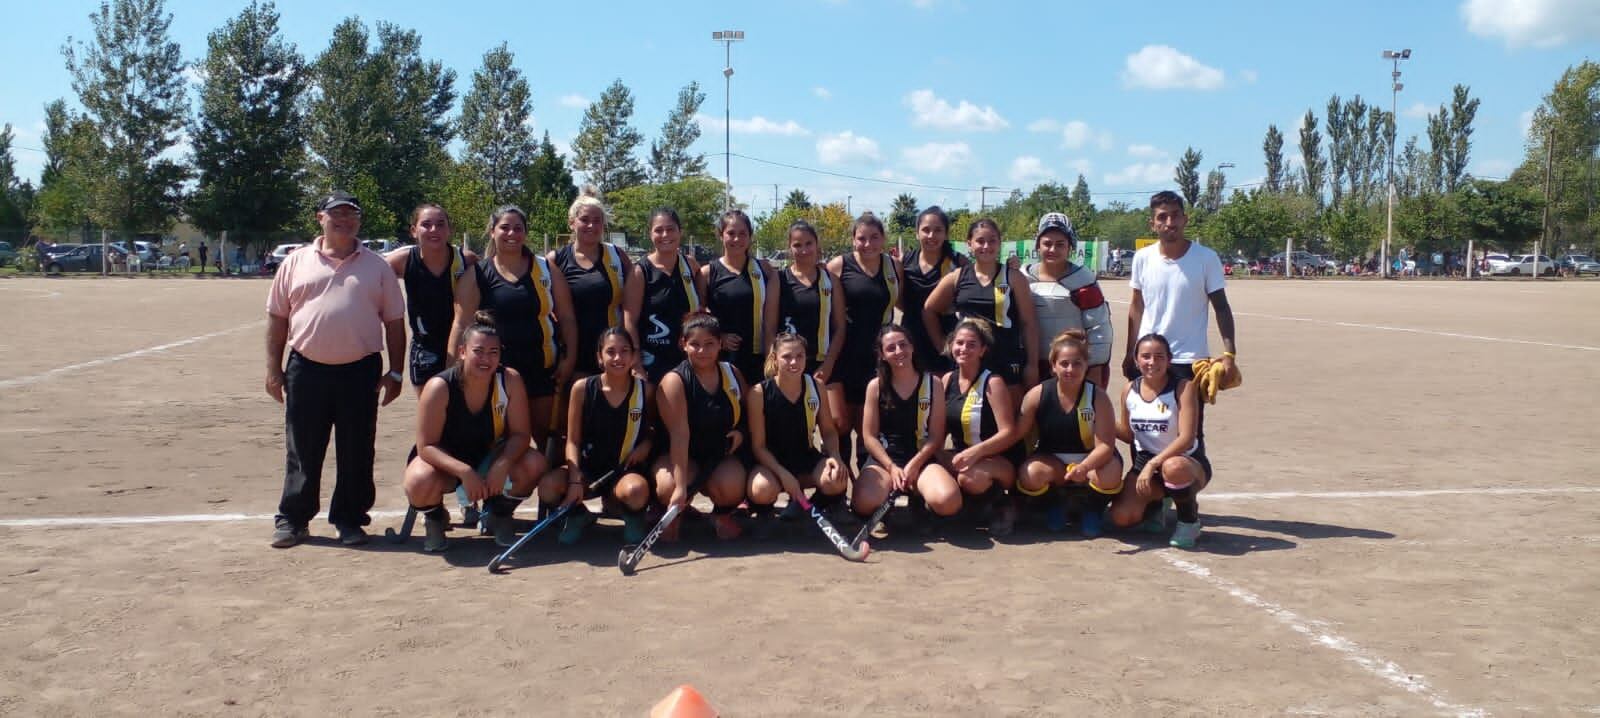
pixel 573 525
pixel 1156 524
pixel 1091 525
pixel 1055 517
pixel 1185 535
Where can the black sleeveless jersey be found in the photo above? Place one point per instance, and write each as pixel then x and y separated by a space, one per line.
pixel 869 301
pixel 667 298
pixel 807 310
pixel 469 436
pixel 791 426
pixel 712 413
pixel 995 302
pixel 968 416
pixel 903 424
pixel 524 313
pixel 737 299
pixel 610 433
pixel 920 284
pixel 430 298
pixel 1062 431
pixel 596 296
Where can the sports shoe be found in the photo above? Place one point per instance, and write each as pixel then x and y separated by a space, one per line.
pixel 1091 524
pixel 470 516
pixel 791 512
pixel 1055 517
pixel 1004 519
pixel 573 525
pixel 285 535
pixel 352 536
pixel 436 528
pixel 1155 518
pixel 1184 536
pixel 728 527
pixel 505 532
pixel 633 527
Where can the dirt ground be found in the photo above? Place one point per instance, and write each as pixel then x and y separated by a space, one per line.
pixel 1395 452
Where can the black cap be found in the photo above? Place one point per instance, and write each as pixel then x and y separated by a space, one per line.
pixel 1057 220
pixel 336 199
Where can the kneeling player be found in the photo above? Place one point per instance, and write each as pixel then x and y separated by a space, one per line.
pixel 1076 452
pixel 787 412
pixel 902 427
pixel 1161 413
pixel 702 410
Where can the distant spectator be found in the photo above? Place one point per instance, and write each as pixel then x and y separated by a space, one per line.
pixel 204 250
pixel 238 260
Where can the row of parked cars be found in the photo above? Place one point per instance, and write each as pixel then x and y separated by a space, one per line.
pixel 1525 265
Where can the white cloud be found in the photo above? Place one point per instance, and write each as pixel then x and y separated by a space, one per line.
pixel 1540 23
pixel 822 93
pixel 1416 111
pixel 1249 76
pixel 575 101
pixel 937 157
pixel 893 176
pixel 1142 173
pixel 1044 125
pixel 1077 134
pixel 757 125
pixel 930 110
pixel 1146 152
pixel 1082 167
pixel 845 147
pixel 1028 170
pixel 1162 67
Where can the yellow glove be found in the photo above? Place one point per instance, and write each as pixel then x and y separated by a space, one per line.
pixel 1211 377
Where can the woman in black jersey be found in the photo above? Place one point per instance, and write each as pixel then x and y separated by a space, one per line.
pixel 532 307
pixel 788 414
pixel 933 258
pixel 809 303
pixel 903 428
pixel 982 424
pixel 607 431
pixel 701 406
pixel 742 293
pixel 596 272
pixel 870 280
pixel 473 430
pixel 661 290
pixel 1076 451
pixel 430 270
pixel 989 290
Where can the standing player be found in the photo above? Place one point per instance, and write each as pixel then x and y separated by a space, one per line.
pixel 809 304
pixel 596 272
pixel 1161 419
pixel 1172 281
pixel 998 294
pixel 787 412
pixel 661 290
pixel 429 270
pixel 742 293
pixel 607 423
pixel 903 428
pixel 472 431
pixel 870 280
pixel 981 422
pixel 933 258
pixel 532 308
pixel 1076 450
pixel 701 406
pixel 1067 296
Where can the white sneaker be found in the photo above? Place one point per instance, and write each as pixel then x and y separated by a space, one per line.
pixel 1185 535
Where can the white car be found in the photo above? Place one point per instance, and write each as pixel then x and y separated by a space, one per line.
pixel 1524 266
pixel 1497 263
pixel 381 246
pixel 283 250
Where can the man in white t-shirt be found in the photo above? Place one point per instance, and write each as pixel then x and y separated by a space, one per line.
pixel 1173 280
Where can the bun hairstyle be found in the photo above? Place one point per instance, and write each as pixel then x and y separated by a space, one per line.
pixel 702 320
pixel 770 368
pixel 589 196
pixel 482 325
pixel 886 397
pixel 978 326
pixel 1070 339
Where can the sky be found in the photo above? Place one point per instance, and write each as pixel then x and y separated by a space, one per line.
pixel 858 101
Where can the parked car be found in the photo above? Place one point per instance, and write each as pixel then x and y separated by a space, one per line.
pixel 1302 259
pixel 1523 266
pixel 80 258
pixel 278 254
pixel 1578 264
pixel 147 251
pixel 381 246
pixel 1497 263
pixel 7 254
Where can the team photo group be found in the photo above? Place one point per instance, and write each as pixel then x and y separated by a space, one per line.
pixel 976 387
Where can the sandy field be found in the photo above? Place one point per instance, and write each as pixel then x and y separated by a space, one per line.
pixel 1403 522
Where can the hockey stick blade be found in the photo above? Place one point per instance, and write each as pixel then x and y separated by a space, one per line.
pixel 630 556
pixel 494 564
pixel 406 526
pixel 877 516
pixel 840 543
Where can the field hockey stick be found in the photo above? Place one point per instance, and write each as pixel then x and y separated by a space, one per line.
pixel 846 548
pixel 404 534
pixel 630 556
pixel 494 564
pixel 877 516
pixel 469 517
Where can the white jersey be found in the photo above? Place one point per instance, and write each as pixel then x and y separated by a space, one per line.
pixel 1177 297
pixel 1155 422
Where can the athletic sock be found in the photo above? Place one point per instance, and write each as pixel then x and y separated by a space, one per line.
pixel 504 504
pixel 435 512
pixel 1186 503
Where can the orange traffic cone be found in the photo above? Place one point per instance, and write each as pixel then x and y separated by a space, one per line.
pixel 683 702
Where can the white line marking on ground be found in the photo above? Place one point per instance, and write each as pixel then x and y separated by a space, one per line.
pixel 1321 633
pixel 1410 330
pixel 1395 494
pixel 28 290
pixel 36 378
pixel 82 521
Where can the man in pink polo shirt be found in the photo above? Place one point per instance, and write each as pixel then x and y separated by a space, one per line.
pixel 335 304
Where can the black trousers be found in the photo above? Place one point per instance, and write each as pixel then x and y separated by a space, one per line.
pixel 319 399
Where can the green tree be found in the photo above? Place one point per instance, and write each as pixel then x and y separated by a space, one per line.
pixel 1211 196
pixel 798 199
pixel 129 80
pixel 382 113
pixel 1567 124
pixel 1505 215
pixel 670 157
pixel 903 213
pixel 1187 176
pixel 604 148
pixel 469 201
pixel 548 191
pixel 14 196
pixel 1080 193
pixel 1313 166
pixel 71 146
pixel 1272 147
pixel 495 117
pixel 250 132
pixel 1338 149
pixel 831 221
pixel 698 200
pixel 1411 166
pixel 1351 231
pixel 1463 108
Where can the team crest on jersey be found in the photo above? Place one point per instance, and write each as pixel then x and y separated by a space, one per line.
pixel 923 404
pixel 1087 415
pixel 1161 406
pixel 811 403
pixel 635 414
pixel 826 292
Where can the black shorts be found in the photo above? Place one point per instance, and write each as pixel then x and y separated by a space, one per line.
pixel 539 382
pixel 705 467
pixel 800 465
pixel 900 458
pixel 425 361
pixel 1006 363
pixel 853 373
pixel 1140 458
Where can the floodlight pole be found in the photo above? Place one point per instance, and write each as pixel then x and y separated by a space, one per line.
pixel 1394 98
pixel 727 38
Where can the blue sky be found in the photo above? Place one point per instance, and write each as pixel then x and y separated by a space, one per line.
pixel 951 94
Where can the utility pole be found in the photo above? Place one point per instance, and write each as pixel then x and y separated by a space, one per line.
pixel 1549 160
pixel 983 198
pixel 727 38
pixel 1394 99
pixel 774 199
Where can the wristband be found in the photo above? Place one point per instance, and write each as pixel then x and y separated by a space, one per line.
pixel 1230 354
pixel 395 375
